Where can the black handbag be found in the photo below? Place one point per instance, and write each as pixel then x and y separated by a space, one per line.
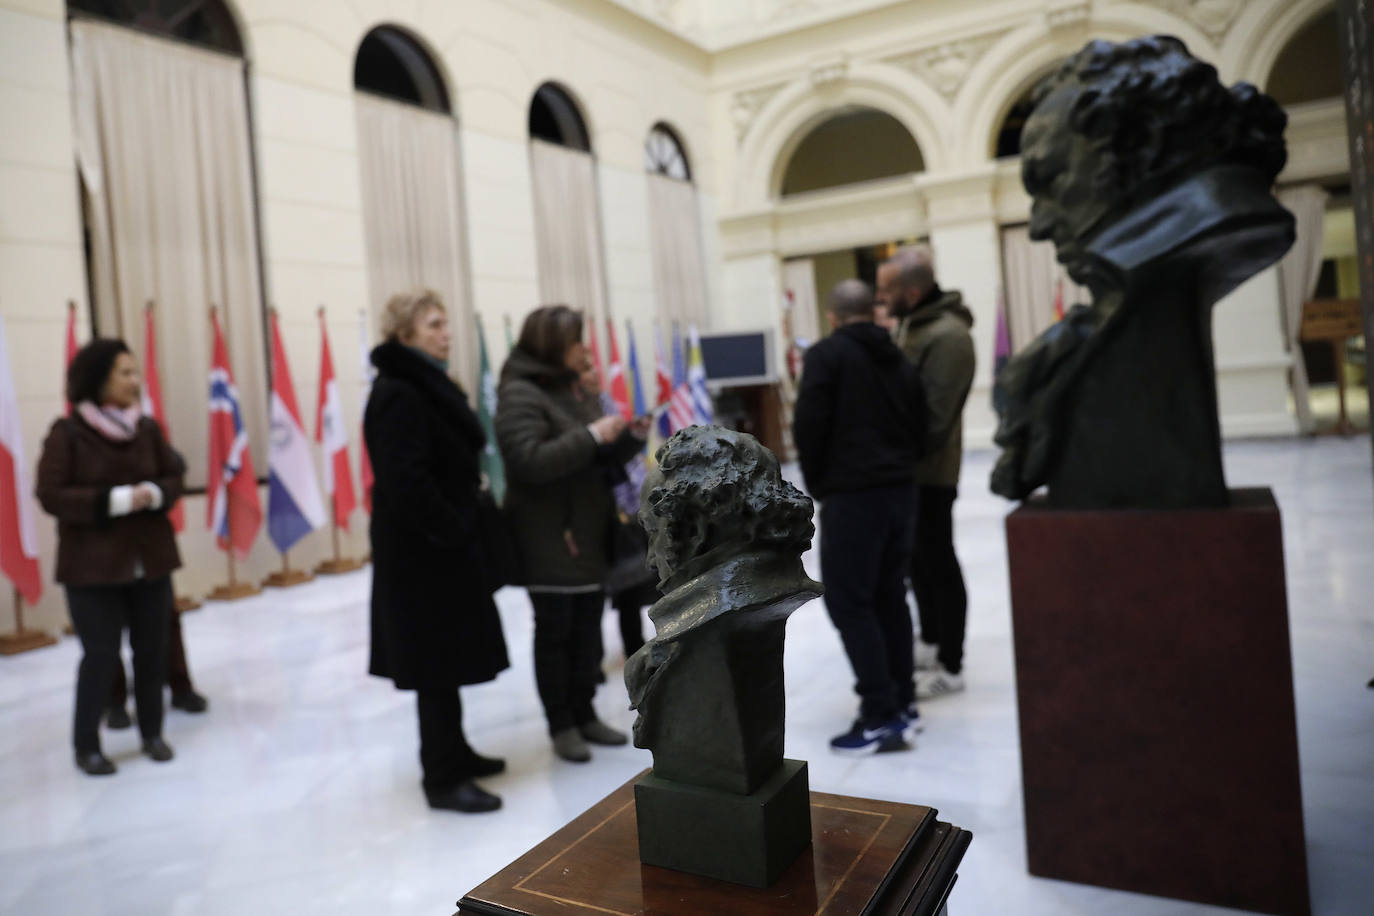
pixel 628 565
pixel 498 544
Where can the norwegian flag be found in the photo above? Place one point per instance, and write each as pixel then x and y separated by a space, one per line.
pixel 664 382
pixel 233 510
pixel 681 413
pixel 151 398
pixel 620 394
pixel 330 434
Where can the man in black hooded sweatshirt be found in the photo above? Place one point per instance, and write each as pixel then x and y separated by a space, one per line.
pixel 859 425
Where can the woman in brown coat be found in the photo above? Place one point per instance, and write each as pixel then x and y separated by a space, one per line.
pixel 108 476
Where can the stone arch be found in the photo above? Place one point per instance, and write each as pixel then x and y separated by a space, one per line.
pixel 1021 56
pixel 421 61
pixel 216 24
pixel 1261 45
pixel 801 106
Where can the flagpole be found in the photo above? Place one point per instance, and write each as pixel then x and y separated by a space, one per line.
pixel 22 640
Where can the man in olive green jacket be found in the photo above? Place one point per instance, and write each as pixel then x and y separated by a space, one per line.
pixel 933 331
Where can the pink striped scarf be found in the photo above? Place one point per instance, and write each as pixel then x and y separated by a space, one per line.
pixel 118 424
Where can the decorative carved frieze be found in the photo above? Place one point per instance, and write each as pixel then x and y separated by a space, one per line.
pixel 1061 14
pixel 828 72
pixel 1215 17
pixel 746 105
pixel 946 66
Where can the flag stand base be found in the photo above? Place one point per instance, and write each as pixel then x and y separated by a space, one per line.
pixel 186 603
pixel 24 641
pixel 234 591
pixel 286 578
pixel 339 565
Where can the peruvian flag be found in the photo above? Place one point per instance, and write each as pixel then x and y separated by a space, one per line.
pixel 18 536
pixel 232 510
pixel 294 508
pixel 364 459
pixel 71 343
pixel 152 399
pixel 330 434
pixel 664 383
pixel 620 394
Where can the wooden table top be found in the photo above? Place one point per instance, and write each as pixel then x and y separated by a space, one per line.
pixel 866 857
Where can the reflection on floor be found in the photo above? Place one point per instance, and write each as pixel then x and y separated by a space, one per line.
pixel 298 791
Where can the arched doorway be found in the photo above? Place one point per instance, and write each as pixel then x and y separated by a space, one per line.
pixel 412 182
pixel 169 198
pixel 851 146
pixel 674 230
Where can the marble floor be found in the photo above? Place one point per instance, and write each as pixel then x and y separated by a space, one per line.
pixel 298 791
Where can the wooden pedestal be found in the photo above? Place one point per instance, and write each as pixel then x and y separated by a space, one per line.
pixel 1155 687
pixel 286 578
pixel 341 565
pixel 234 591
pixel 24 641
pixel 866 856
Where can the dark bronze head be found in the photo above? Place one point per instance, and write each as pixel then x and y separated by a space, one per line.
pixel 713 494
pixel 1118 123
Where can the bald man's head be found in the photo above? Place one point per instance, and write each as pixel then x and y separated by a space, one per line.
pixel 851 300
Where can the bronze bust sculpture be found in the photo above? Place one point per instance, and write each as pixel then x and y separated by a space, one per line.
pixel 1153 181
pixel 726 534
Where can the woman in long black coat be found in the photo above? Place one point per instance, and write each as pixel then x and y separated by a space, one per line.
pixel 435 627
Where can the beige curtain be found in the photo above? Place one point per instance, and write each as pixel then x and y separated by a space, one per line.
pixel 1032 277
pixel 1298 274
pixel 411 185
pixel 567 229
pixel 163 149
pixel 799 279
pixel 675 246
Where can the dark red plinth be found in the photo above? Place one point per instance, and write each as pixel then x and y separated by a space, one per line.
pixel 1155 684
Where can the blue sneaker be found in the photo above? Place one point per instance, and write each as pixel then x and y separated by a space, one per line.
pixel 914 723
pixel 860 740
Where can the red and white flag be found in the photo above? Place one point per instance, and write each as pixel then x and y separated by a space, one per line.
pixel 620 392
pixel 18 534
pixel 71 345
pixel 152 399
pixel 233 510
pixel 330 433
pixel 364 459
pixel 1059 300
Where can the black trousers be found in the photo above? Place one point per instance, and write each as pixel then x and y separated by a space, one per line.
pixel 630 605
pixel 865 545
pixel 100 613
pixel 446 758
pixel 936 579
pixel 178 675
pixel 567 655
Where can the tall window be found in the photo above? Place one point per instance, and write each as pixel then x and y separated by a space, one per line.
pixel 567 215
pixel 674 230
pixel 411 185
pixel 168 195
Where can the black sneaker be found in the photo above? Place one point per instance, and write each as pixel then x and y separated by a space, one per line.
pixel 862 740
pixel 94 764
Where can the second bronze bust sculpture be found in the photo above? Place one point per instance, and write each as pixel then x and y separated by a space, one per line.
pixel 1153 181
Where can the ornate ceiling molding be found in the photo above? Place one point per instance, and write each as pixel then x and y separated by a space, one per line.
pixel 746 105
pixel 947 65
